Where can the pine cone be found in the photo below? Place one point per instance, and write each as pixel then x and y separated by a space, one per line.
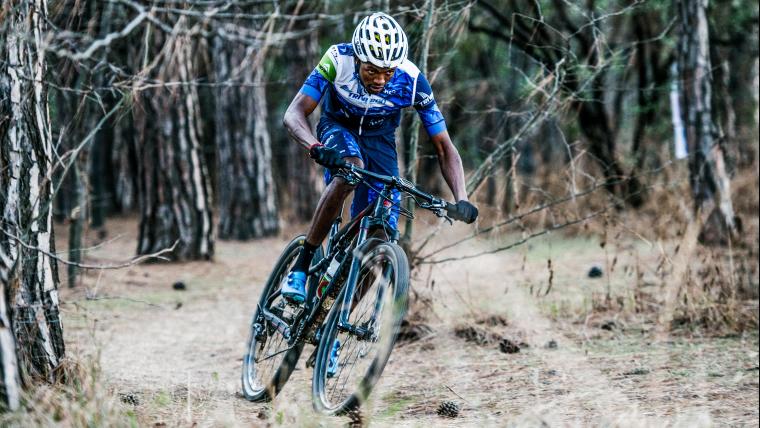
pixel 356 420
pixel 448 409
pixel 129 398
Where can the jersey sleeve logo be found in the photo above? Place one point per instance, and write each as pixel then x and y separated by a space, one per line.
pixel 326 67
pixel 424 99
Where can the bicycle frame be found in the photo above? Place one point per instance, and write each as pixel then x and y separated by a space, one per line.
pixel 355 233
pixel 339 239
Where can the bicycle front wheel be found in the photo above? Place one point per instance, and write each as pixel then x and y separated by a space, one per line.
pixel 351 357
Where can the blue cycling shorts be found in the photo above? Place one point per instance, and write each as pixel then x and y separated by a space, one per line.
pixel 378 154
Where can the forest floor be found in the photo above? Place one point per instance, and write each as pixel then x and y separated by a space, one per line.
pixel 174 356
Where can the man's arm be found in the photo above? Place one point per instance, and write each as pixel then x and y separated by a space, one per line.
pixel 295 120
pixel 308 98
pixel 435 125
pixel 448 155
pixel 451 164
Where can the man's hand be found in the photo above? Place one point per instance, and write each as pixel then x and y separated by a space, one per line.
pixel 464 211
pixel 325 156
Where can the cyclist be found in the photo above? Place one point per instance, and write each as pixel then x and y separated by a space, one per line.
pixel 364 85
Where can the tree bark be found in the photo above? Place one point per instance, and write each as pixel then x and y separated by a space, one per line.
pixel 295 173
pixel 710 183
pixel 247 206
pixel 100 176
pixel 172 184
pixel 78 107
pixel 411 158
pixel 652 74
pixel 77 218
pixel 124 161
pixel 10 382
pixel 25 196
pixel 303 177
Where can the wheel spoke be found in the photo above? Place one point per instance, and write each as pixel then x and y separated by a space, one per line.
pixel 337 377
pixel 374 287
pixel 348 376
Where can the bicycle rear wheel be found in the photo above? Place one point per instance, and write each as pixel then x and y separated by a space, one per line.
pixel 378 307
pixel 269 360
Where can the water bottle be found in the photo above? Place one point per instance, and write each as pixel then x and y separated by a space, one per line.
pixel 329 273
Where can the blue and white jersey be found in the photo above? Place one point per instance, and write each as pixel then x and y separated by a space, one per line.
pixel 349 104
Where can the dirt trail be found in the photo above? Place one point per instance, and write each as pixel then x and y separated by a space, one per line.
pixel 179 351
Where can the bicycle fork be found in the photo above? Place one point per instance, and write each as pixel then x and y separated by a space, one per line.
pixel 362 333
pixel 350 290
pixel 365 331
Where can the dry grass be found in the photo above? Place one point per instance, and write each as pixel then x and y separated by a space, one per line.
pixel 685 287
pixel 80 399
pixel 709 299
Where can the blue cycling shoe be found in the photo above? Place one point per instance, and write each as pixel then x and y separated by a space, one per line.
pixel 332 365
pixel 294 288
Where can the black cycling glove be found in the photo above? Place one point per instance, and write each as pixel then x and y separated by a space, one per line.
pixel 327 157
pixel 463 211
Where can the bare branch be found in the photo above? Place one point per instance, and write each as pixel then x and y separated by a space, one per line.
pixel 545 110
pixel 135 261
pixel 516 243
pixel 101 43
pixel 513 219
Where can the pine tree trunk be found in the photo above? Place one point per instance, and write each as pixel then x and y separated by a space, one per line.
pixel 77 219
pixel 25 195
pixel 247 206
pixel 710 183
pixel 411 154
pixel 122 153
pixel 77 118
pixel 594 124
pixel 96 171
pixel 301 176
pixel 652 73
pixel 100 177
pixel 172 184
pixel 10 383
pixel 124 161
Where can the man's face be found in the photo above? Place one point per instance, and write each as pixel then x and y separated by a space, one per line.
pixel 374 78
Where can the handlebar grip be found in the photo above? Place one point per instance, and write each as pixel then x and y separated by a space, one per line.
pixel 462 211
pixel 453 212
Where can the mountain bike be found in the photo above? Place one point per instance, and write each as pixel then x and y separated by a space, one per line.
pixel 356 299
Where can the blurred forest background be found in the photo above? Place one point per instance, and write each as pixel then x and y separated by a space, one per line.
pixel 568 115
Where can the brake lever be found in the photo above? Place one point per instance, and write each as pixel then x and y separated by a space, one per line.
pixel 350 175
pixel 440 214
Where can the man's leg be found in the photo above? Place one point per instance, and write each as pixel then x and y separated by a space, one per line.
pixel 328 209
pixel 329 206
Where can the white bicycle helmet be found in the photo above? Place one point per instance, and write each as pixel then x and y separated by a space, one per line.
pixel 379 40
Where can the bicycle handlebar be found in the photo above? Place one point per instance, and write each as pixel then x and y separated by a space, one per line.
pixel 434 204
